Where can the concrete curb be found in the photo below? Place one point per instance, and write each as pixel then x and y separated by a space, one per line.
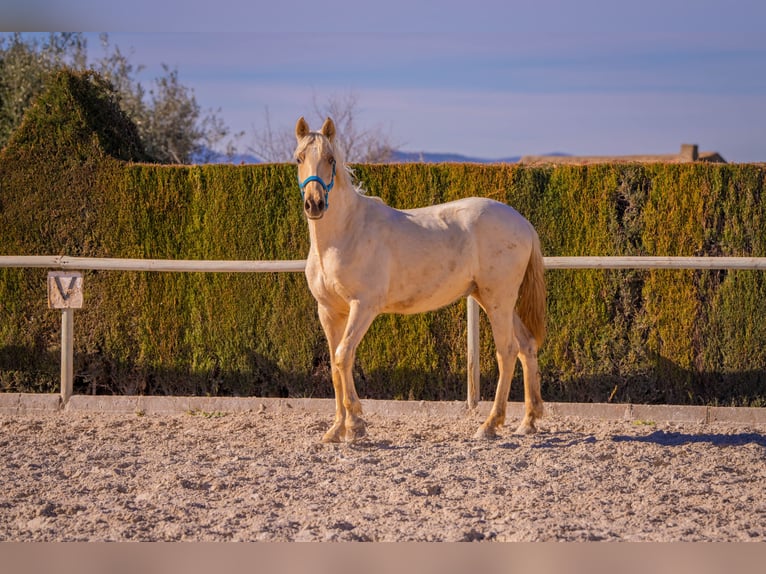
pixel 28 403
pixel 12 403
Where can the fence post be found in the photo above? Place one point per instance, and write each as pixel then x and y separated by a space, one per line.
pixel 474 372
pixel 65 293
pixel 67 352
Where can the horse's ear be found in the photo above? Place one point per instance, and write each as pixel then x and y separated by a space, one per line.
pixel 328 129
pixel 301 129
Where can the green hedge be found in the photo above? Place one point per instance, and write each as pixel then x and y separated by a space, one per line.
pixel 641 336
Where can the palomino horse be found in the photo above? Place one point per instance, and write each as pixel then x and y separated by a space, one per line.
pixel 367 258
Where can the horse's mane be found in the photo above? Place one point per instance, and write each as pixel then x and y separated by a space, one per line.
pixel 355 183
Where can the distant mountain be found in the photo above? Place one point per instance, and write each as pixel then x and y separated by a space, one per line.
pixel 210 156
pixel 241 158
pixel 399 156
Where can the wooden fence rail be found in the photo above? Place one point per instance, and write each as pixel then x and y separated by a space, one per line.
pixel 63 262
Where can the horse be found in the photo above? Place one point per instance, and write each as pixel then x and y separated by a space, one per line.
pixel 367 258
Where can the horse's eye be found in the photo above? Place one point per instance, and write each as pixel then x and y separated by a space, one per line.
pixel 331 159
pixel 298 160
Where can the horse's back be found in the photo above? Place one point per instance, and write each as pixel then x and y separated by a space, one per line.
pixel 471 211
pixel 489 222
pixel 481 240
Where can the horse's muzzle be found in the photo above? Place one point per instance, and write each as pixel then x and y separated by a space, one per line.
pixel 314 209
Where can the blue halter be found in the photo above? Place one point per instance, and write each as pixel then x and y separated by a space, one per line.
pixel 327 187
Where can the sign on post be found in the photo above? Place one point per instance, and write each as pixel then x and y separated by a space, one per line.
pixel 64 290
pixel 65 293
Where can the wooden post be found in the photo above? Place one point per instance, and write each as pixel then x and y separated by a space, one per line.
pixel 67 353
pixel 65 293
pixel 474 372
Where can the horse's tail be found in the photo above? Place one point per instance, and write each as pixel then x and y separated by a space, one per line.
pixel 531 302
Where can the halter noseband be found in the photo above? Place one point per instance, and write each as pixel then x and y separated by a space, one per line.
pixel 327 187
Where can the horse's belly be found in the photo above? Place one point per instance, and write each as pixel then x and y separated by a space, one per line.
pixel 422 298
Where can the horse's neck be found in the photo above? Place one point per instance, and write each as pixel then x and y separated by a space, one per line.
pixel 337 224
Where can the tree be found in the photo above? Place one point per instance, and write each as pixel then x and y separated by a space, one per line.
pixel 172 126
pixel 170 122
pixel 359 145
pixel 26 65
pixel 172 132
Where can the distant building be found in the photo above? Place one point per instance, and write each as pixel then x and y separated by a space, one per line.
pixel 688 153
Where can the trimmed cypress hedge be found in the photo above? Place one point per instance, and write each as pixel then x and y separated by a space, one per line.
pixel 692 337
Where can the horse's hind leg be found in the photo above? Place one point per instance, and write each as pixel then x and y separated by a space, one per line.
pixel 507 347
pixel 533 400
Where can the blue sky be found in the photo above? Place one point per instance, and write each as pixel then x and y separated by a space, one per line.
pixel 486 79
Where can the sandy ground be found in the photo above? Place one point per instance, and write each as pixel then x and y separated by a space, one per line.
pixel 69 476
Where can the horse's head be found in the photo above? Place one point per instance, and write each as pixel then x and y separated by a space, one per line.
pixel 315 156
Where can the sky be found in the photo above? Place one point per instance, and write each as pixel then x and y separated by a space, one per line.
pixel 487 79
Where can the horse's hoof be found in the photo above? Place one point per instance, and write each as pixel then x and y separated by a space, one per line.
pixel 525 428
pixel 485 432
pixel 332 435
pixel 356 432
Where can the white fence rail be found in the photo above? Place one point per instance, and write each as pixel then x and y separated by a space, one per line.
pixel 167 265
pixel 296 265
pixel 63 262
pixel 640 262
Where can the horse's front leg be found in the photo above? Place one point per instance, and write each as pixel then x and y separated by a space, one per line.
pixel 337 430
pixel 360 318
pixel 333 325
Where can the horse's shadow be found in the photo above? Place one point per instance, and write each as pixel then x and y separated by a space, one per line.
pixel 658 437
pixel 564 439
pixel 567 439
pixel 664 438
